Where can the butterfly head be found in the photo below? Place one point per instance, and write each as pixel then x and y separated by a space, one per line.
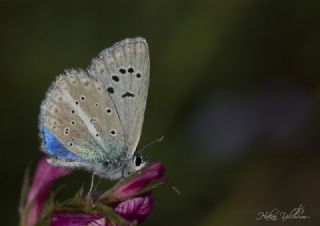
pixel 121 168
pixel 136 163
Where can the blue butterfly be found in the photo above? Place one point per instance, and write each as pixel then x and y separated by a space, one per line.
pixel 92 119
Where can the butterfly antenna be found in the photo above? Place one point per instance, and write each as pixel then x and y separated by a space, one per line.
pixel 173 187
pixel 152 143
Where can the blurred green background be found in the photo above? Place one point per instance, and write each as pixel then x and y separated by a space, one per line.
pixel 234 89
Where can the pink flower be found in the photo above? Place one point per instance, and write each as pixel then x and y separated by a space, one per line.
pixel 45 176
pixel 133 210
pixel 71 218
pixel 127 202
pixel 136 184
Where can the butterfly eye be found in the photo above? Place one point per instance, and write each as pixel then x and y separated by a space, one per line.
pixel 137 160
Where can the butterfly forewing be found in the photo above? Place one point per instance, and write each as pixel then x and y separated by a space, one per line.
pixel 79 113
pixel 124 72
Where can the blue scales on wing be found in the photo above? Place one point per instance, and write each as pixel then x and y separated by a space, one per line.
pixel 55 148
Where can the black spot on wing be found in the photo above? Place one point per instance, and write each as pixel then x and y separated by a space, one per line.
pixel 110 89
pixel 127 94
pixel 115 78
pixel 122 71
pixel 130 70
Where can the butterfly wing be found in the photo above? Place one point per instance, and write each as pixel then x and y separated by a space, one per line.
pixel 124 72
pixel 78 120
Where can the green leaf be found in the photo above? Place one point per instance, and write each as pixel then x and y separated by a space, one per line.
pixel 24 190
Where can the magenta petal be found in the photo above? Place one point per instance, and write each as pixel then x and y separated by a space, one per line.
pixel 156 167
pixel 135 209
pixel 76 219
pixel 137 183
pixel 45 175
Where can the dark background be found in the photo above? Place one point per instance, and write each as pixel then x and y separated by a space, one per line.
pixel 235 89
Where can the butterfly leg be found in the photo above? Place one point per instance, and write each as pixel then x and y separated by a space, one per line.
pixel 92 184
pixel 96 186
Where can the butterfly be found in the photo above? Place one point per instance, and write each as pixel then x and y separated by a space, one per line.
pixel 92 119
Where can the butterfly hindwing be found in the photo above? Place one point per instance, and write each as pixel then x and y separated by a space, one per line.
pixel 78 120
pixel 124 72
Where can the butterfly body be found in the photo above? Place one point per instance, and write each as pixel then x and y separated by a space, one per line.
pixel 93 118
